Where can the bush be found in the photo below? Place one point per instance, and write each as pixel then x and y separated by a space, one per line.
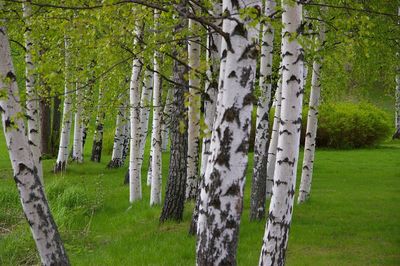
pixel 343 125
pixel 349 125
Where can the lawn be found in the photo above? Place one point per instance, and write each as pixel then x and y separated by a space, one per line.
pixel 352 218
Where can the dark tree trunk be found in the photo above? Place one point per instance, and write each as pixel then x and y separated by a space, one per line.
pixel 56 125
pixel 97 143
pixel 45 127
pixel 176 183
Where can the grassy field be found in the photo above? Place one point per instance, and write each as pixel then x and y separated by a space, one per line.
pixel 352 218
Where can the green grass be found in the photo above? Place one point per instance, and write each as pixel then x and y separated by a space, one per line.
pixel 352 217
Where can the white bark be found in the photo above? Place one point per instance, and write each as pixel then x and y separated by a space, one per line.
pixel 145 102
pixel 77 150
pixel 62 157
pixel 312 125
pixel 135 182
pixel 33 200
pixel 166 120
pixel 273 144
pixel 116 157
pixel 193 112
pixel 258 191
pixel 32 102
pixel 221 196
pixel 397 93
pixel 281 205
pixel 156 174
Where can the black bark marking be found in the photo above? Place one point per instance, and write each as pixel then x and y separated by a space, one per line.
pixel 249 99
pixel 231 114
pixel 245 76
pixel 224 156
pixel 293 78
pixel 232 74
pixel 240 30
pixel 11 76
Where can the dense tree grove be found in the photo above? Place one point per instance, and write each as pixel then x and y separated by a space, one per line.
pixel 193 78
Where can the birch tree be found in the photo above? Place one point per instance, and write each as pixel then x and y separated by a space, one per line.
pixel 273 144
pixel 156 174
pixel 258 189
pixel 397 93
pixel 135 182
pixel 33 199
pixel 32 107
pixel 77 149
pixel 221 197
pixel 312 124
pixel 281 206
pixel 99 128
pixel 193 111
pixel 62 157
pixel 118 145
pixel 176 183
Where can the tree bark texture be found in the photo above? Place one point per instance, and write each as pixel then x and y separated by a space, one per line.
pixel 258 188
pixel 33 199
pixel 221 197
pixel 281 206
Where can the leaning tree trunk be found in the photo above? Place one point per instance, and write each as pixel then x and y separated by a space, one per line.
pixel 99 129
pixel 281 207
pixel 193 112
pixel 55 125
pixel 116 157
pixel 312 124
pixel 273 144
pixel 77 150
pixel 221 196
pixel 210 104
pixel 156 174
pixel 62 157
pixel 32 108
pixel 135 182
pixel 33 199
pixel 176 183
pixel 258 188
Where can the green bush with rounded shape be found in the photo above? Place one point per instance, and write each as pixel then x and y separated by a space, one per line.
pixel 350 125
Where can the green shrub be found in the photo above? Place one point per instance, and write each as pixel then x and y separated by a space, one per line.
pixel 349 125
pixel 343 125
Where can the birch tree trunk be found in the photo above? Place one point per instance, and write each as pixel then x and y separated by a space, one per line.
pixel 62 157
pixel 156 174
pixel 258 189
pixel 77 153
pixel 281 205
pixel 193 112
pixel 397 94
pixel 221 197
pixel 32 108
pixel 312 125
pixel 116 157
pixel 176 183
pixel 99 127
pixel 210 104
pixel 166 121
pixel 145 102
pixel 273 144
pixel 33 199
pixel 135 182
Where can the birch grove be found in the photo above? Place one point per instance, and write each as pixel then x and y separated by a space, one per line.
pixel 281 206
pixel 31 193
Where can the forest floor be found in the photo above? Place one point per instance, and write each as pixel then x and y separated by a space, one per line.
pixel 352 218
